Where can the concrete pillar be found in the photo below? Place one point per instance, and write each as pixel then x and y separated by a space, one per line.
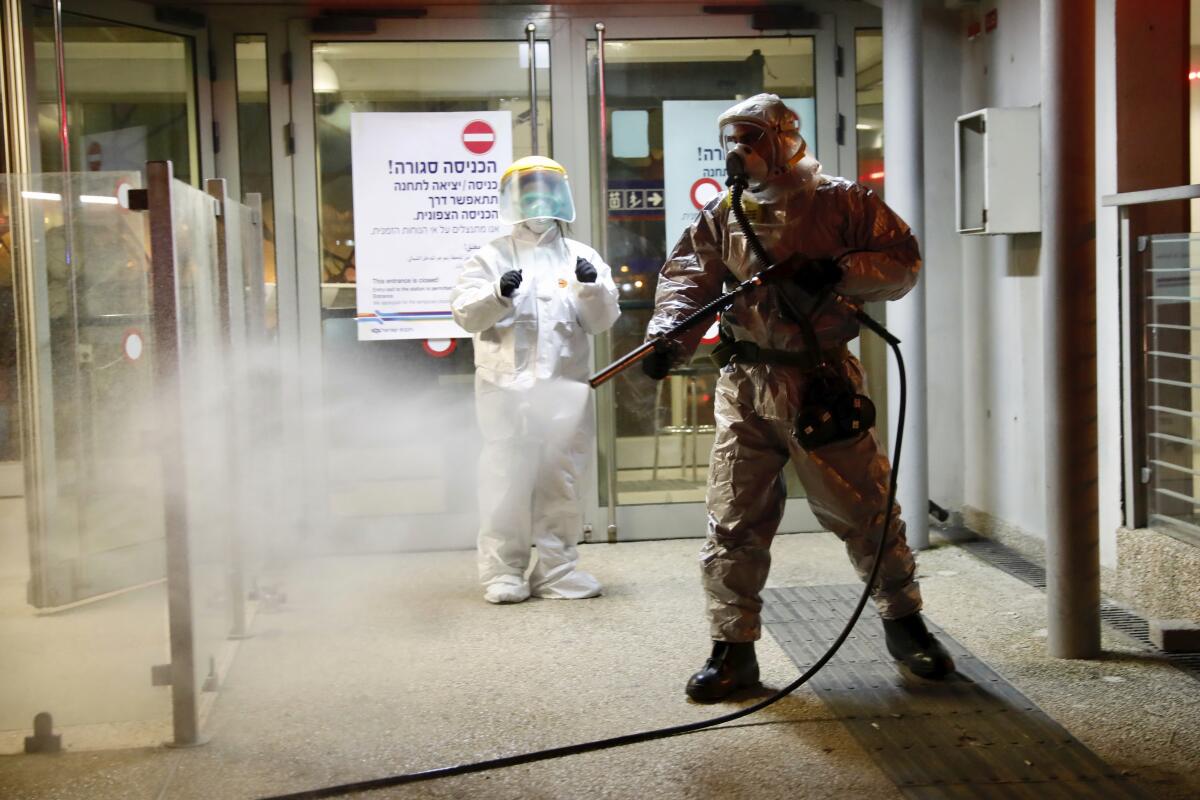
pixel 1069 319
pixel 904 164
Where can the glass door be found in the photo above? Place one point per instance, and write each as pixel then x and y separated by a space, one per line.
pixel 388 426
pixel 661 97
pixel 132 96
pixel 441 108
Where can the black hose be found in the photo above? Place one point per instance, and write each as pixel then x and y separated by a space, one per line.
pixel 675 730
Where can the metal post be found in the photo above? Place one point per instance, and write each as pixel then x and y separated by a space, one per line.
pixel 262 389
pixel 60 58
pixel 83 377
pixel 216 189
pixel 1069 326
pixel 531 36
pixel 167 380
pixel 33 368
pixel 608 394
pixel 1133 424
pixel 257 280
pixel 904 142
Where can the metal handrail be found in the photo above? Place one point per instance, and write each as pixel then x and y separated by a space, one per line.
pixel 1189 192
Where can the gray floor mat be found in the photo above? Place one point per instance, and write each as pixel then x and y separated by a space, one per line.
pixel 974 736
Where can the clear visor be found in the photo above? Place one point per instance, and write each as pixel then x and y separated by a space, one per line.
pixel 735 133
pixel 777 150
pixel 536 194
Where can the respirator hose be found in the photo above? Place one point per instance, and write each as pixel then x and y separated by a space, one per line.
pixel 676 730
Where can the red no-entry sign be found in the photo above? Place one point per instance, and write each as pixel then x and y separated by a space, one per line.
pixel 439 348
pixel 704 190
pixel 478 137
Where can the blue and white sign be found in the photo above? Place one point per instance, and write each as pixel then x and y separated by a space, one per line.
pixel 694 166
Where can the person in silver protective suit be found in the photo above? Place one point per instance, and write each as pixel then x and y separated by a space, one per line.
pixel 530 299
pixel 832 235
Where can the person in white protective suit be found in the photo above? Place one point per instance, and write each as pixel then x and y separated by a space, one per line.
pixel 835 237
pixel 530 299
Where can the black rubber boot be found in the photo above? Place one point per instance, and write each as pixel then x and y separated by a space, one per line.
pixel 911 643
pixel 731 666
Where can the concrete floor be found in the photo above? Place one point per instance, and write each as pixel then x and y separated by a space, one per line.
pixel 390 663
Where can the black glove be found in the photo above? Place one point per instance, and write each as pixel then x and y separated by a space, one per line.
pixel 509 282
pixel 584 271
pixel 815 275
pixel 658 363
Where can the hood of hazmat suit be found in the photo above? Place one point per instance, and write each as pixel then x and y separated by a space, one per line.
pixel 799 211
pixel 766 133
pixel 533 405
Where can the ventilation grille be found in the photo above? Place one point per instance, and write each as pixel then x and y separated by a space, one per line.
pixel 1114 616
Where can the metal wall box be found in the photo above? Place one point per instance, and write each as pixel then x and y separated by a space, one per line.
pixel 998 174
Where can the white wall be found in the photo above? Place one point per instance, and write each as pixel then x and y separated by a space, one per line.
pixel 943 32
pixel 1108 289
pixel 1003 401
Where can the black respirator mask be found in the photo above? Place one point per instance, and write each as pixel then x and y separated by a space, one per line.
pixel 743 159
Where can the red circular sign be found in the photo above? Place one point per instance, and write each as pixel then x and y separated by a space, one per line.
pixel 439 348
pixel 95 157
pixel 478 137
pixel 713 334
pixel 704 190
pixel 132 344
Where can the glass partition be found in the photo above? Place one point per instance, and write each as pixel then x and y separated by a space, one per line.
pixel 663 97
pixel 84 591
pixel 83 603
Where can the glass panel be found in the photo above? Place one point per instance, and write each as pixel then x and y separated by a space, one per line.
pixel 260 432
pixel 868 88
pixel 130 96
pixel 208 395
pixel 665 430
pixel 1172 391
pixel 254 143
pixel 371 469
pixel 100 524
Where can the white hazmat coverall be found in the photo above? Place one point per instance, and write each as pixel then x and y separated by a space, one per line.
pixel 533 405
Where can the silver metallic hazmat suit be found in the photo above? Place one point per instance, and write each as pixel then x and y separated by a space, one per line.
pixel 795 210
pixel 533 405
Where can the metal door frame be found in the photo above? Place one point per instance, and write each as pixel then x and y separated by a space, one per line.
pixel 686 520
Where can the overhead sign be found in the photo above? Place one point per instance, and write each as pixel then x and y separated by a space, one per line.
pixel 635 198
pixel 694 166
pixel 426 195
